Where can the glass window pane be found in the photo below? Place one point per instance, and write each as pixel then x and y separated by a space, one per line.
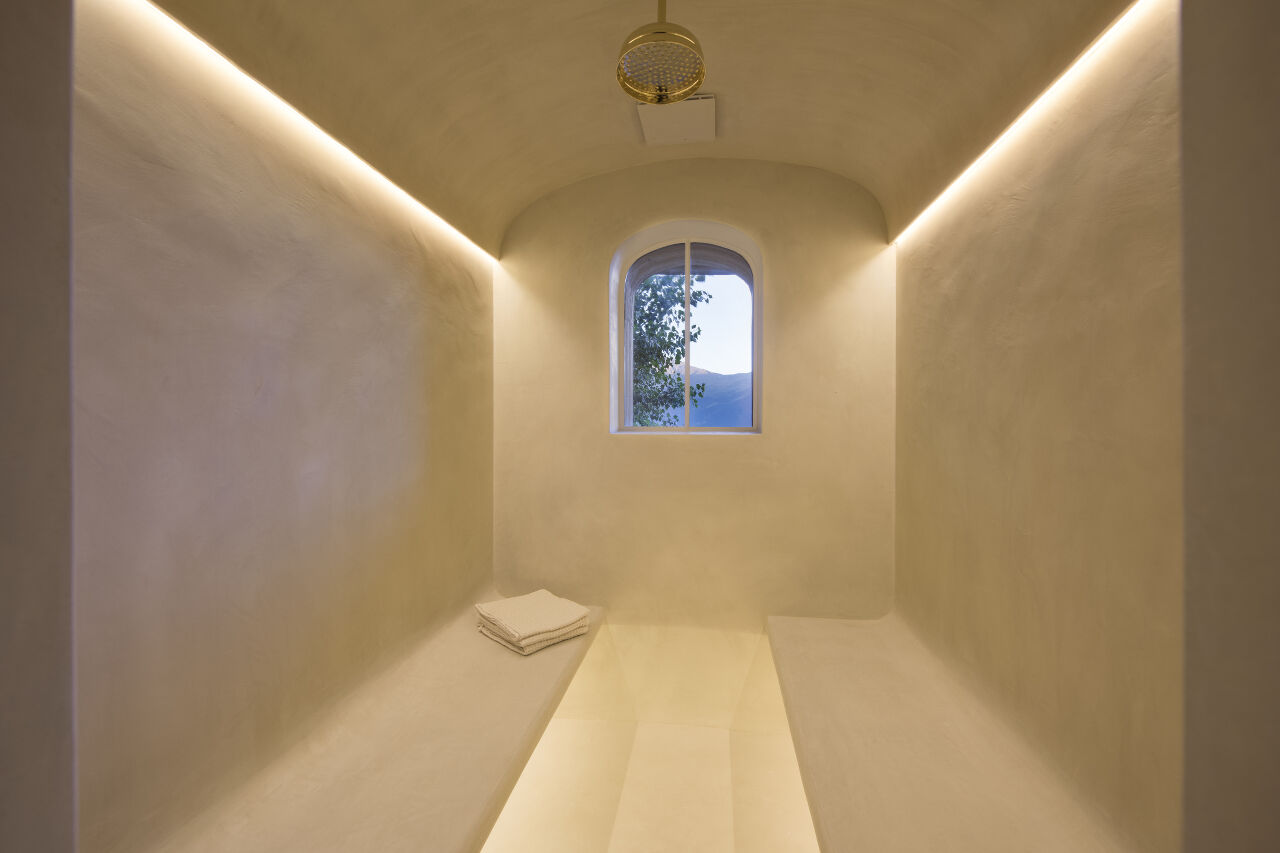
pixel 721 339
pixel 656 307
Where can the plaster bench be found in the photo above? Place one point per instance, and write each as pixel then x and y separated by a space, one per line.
pixel 421 758
pixel 898 756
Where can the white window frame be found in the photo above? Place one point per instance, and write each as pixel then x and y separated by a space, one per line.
pixel 687 231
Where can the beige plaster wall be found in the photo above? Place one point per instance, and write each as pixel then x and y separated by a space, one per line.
pixel 696 529
pixel 1039 539
pixel 1231 192
pixel 37 785
pixel 283 410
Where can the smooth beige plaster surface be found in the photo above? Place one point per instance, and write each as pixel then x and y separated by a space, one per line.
pixel 1039 432
pixel 700 529
pixel 1231 192
pixel 899 756
pixel 283 424
pixel 639 758
pixel 37 785
pixel 481 108
pixel 419 759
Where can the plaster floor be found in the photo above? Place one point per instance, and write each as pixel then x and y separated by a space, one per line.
pixel 669 738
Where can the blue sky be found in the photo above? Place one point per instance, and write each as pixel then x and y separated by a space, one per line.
pixel 725 343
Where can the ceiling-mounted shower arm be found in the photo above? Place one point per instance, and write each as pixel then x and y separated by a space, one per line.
pixel 662 11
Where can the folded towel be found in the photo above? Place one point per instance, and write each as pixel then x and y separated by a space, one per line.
pixel 529 649
pixel 525 618
pixel 559 634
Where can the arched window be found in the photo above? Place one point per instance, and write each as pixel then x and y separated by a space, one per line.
pixel 685 318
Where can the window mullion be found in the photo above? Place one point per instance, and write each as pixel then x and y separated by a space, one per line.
pixel 688 319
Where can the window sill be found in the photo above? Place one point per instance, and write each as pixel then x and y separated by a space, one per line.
pixel 684 431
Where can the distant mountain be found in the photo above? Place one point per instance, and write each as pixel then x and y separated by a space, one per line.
pixel 726 401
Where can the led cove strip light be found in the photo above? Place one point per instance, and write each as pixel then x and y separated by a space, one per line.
pixel 253 87
pixel 1112 35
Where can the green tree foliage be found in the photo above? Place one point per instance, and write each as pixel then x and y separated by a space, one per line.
pixel 657 350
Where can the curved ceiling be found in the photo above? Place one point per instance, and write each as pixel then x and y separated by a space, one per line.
pixel 479 107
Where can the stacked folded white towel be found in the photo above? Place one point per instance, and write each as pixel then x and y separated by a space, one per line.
pixel 531 622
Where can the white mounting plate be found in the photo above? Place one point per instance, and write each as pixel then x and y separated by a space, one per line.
pixel 690 120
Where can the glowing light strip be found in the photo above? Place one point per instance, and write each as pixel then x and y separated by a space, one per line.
pixel 181 34
pixel 1112 35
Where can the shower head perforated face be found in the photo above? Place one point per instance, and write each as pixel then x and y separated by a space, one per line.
pixel 661 63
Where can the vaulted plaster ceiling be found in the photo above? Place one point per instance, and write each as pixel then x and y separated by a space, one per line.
pixel 480 107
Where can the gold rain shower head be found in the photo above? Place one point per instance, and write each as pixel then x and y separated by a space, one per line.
pixel 661 63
